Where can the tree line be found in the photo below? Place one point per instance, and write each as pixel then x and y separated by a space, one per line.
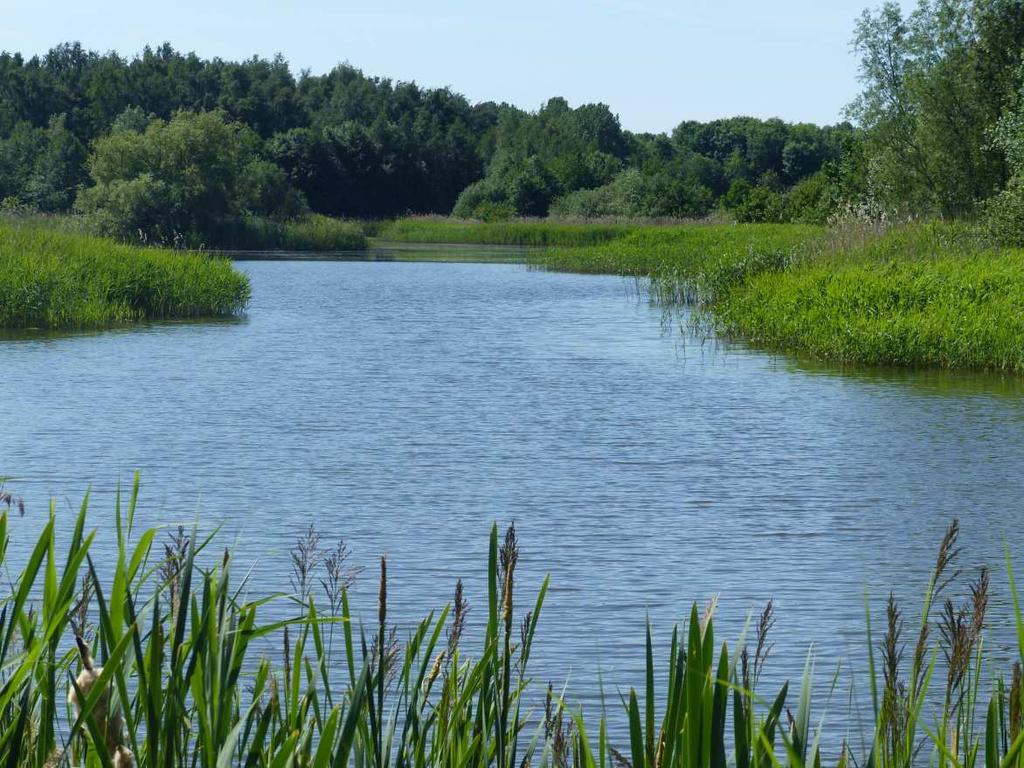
pixel 118 135
pixel 167 141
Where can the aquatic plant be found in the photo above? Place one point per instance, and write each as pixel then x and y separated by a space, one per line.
pixel 311 232
pixel 926 295
pixel 53 279
pixel 537 232
pixel 158 659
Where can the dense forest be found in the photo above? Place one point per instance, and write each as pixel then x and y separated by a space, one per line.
pixel 345 144
pixel 166 141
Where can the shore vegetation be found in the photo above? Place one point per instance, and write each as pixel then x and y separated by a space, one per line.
pixel 66 280
pixel 156 656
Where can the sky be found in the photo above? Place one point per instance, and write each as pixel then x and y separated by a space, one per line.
pixel 654 62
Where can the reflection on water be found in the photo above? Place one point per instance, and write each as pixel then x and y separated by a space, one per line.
pixel 406 406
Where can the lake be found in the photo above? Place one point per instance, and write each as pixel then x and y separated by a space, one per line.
pixel 407 406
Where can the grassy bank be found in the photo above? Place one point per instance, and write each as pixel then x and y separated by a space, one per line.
pixel 685 256
pixel 927 295
pixel 537 232
pixel 165 657
pixel 53 279
pixel 918 295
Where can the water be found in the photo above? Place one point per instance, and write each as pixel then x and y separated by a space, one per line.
pixel 406 406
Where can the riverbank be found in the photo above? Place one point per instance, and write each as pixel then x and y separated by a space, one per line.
pixel 164 617
pixel 918 295
pixel 926 295
pixel 64 280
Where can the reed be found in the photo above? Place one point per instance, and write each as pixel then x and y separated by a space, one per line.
pixel 919 295
pixel 532 232
pixel 157 661
pixel 925 295
pixel 309 233
pixel 51 279
pixel 683 259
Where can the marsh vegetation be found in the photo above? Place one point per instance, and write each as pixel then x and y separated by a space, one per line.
pixel 66 280
pixel 165 654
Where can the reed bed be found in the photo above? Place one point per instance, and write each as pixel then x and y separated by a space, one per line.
pixel 928 295
pixel 535 232
pixel 689 256
pixel 51 279
pixel 157 661
pixel 918 295
pixel 309 233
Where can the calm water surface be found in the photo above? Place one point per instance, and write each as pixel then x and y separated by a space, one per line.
pixel 406 406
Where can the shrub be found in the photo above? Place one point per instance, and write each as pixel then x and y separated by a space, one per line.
pixel 181 179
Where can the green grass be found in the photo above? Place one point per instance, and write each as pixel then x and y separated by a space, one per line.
pixel 310 233
pixel 51 279
pixel 928 295
pixel 537 232
pixel 686 253
pixel 167 655
pixel 921 295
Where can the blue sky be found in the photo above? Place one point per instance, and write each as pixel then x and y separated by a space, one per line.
pixel 655 62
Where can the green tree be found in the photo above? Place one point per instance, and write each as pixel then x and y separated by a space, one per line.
pixel 935 84
pixel 185 176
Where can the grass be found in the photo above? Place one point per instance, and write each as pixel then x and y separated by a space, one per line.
pixel 52 279
pixel 920 295
pixel 688 256
pixel 160 653
pixel 310 233
pixel 927 295
pixel 536 232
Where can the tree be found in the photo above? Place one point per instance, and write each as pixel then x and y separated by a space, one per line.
pixel 934 84
pixel 41 168
pixel 185 176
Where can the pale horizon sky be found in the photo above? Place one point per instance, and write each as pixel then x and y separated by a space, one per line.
pixel 654 62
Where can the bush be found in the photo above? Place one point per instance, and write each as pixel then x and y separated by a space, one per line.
pixel 182 179
pixel 266 192
pixel 1004 215
pixel 483 200
pixel 812 200
pixel 634 194
pixel 761 205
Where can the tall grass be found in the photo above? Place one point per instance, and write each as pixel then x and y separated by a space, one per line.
pixel 537 232
pixel 925 294
pixel 309 233
pixel 64 280
pixel 163 654
pixel 684 259
pixel 921 296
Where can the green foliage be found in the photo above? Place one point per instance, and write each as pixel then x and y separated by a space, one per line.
pixel 690 261
pixel 633 194
pixel 41 168
pixel 920 296
pixel 1005 212
pixel 165 656
pixel 812 200
pixel 760 204
pixel 182 178
pixel 64 280
pixel 308 233
pixel 265 191
pixel 936 83
pixel 359 146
